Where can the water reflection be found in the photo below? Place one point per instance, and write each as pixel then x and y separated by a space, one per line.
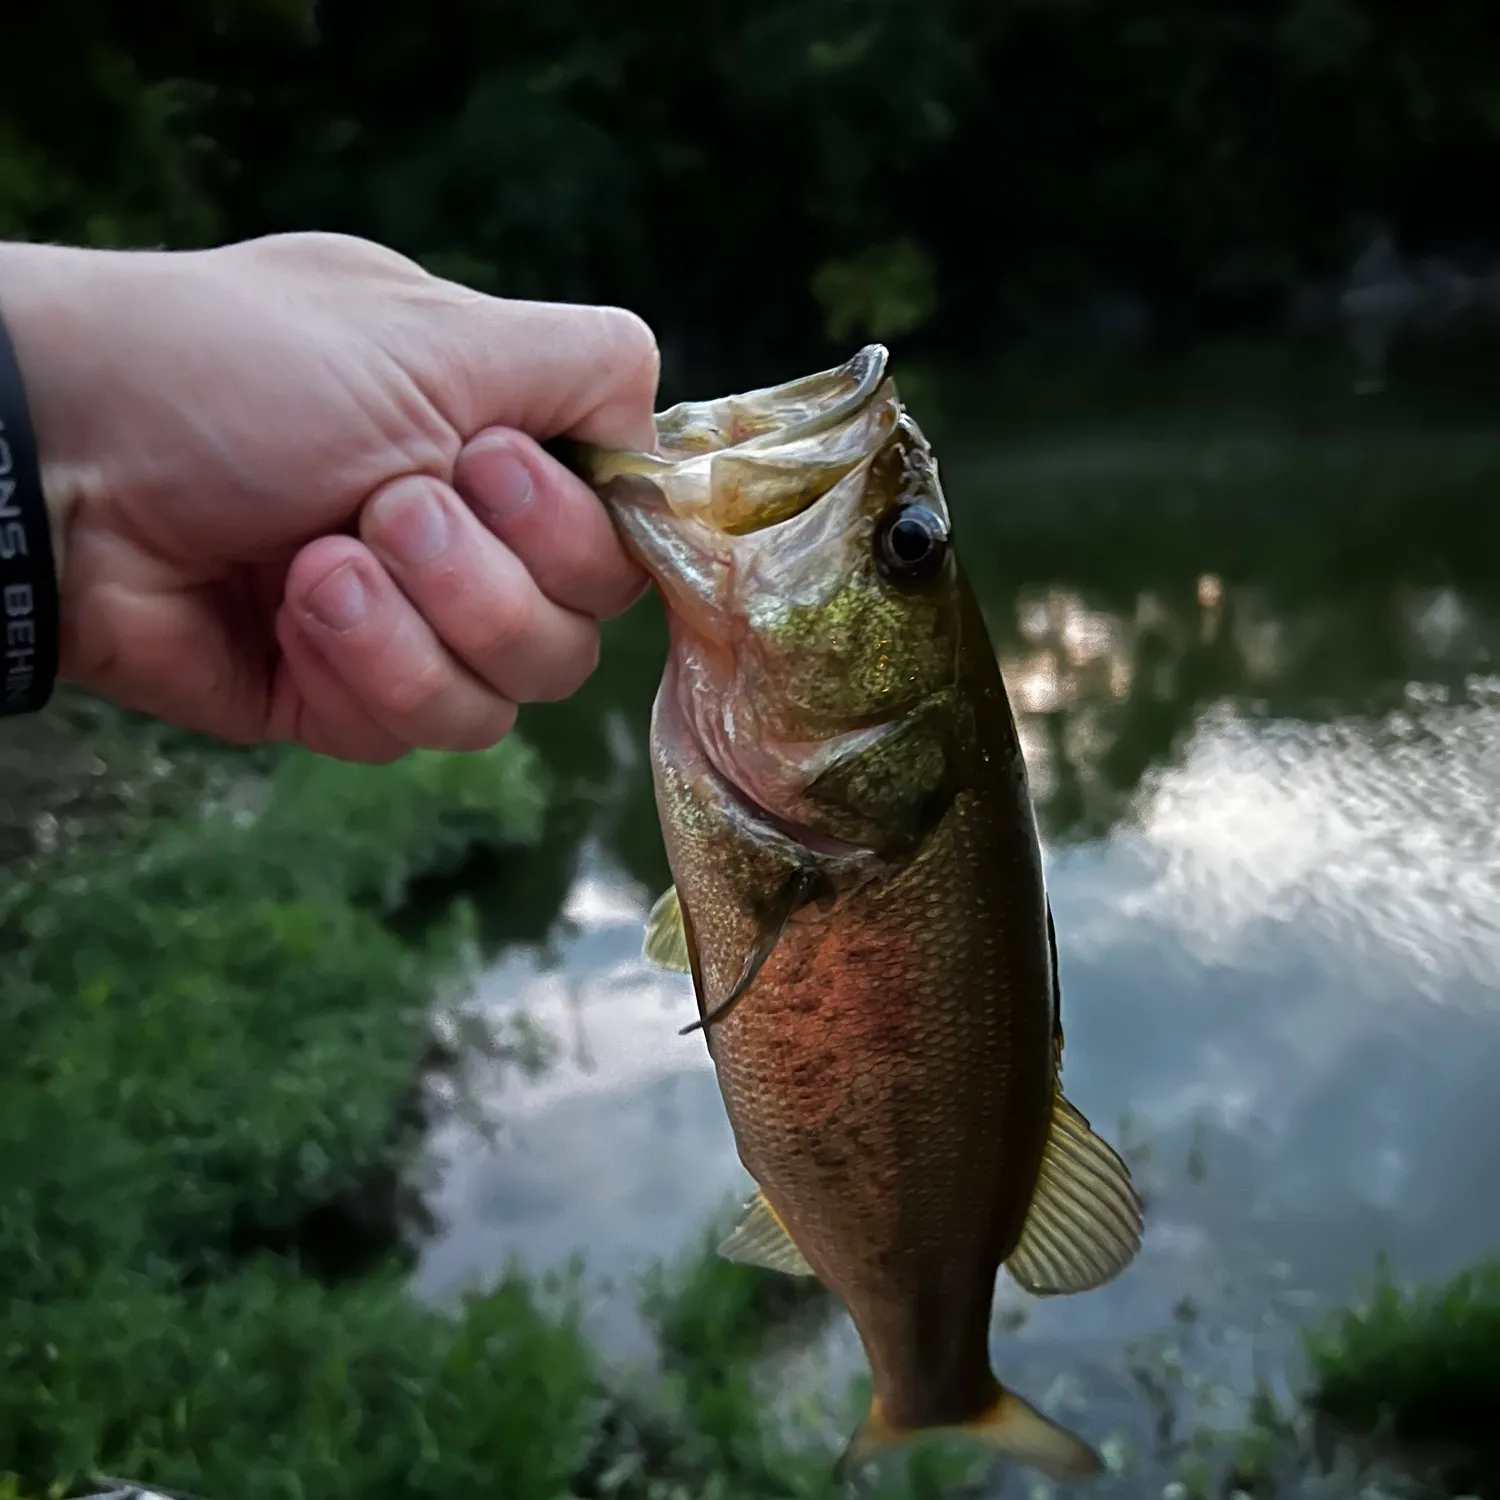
pixel 1295 943
pixel 1104 695
pixel 619 1150
pixel 1268 790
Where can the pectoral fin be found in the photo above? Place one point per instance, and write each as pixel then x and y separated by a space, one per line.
pixel 802 886
pixel 760 1239
pixel 666 943
pixel 1084 1225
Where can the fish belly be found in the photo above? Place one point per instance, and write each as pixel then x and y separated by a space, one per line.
pixel 888 1079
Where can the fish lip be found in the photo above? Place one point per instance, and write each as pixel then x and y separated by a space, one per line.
pixel 846 390
pixel 758 427
pixel 684 511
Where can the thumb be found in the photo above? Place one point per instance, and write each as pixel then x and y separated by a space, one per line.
pixel 558 369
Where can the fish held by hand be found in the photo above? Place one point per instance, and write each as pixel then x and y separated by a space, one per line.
pixel 858 894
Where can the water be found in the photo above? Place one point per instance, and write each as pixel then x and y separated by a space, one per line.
pixel 1246 622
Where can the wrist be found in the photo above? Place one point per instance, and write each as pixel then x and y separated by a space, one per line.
pixel 44 306
pixel 30 640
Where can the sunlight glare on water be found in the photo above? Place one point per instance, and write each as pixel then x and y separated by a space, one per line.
pixel 1381 837
pixel 618 1150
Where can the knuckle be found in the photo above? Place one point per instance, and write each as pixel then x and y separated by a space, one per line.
pixel 566 677
pixel 411 694
pixel 631 344
pixel 481 731
pixel 324 248
pixel 509 620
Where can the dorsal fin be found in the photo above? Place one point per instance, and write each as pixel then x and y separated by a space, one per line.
pixel 1084 1224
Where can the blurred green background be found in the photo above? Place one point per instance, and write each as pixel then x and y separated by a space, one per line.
pixel 347 1149
pixel 777 180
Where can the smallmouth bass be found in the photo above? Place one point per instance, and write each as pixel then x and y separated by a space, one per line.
pixel 858 894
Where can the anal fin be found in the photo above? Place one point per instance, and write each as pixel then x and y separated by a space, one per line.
pixel 761 1239
pixel 1084 1224
pixel 665 943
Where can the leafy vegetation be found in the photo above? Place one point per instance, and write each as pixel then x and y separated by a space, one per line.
pixel 213 1049
pixel 1421 1365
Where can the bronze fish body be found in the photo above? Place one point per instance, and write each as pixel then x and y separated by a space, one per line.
pixel 859 896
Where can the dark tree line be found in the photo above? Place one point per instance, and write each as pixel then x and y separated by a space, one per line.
pixel 763 177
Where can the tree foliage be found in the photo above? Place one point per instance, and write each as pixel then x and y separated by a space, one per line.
pixel 762 177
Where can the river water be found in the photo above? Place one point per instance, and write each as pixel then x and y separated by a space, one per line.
pixel 1248 620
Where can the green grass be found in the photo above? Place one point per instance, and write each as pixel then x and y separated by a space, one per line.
pixel 706 1310
pixel 267 1384
pixel 212 1034
pixel 1421 1363
pixel 212 1031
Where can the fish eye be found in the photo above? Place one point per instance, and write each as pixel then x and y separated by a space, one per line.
pixel 910 544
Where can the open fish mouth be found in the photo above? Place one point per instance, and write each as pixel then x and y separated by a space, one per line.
pixel 775 415
pixel 740 464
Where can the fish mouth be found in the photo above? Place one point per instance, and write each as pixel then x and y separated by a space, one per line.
pixel 727 471
pixel 774 415
pixel 741 464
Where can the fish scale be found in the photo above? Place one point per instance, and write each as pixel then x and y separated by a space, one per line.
pixel 859 897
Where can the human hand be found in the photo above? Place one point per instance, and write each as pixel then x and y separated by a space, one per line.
pixel 300 493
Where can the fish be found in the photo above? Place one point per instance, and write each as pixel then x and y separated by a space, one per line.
pixel 858 894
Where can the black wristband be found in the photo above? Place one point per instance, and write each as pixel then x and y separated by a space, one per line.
pixel 28 576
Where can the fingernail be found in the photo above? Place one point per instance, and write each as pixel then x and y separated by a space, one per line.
pixel 502 484
pixel 339 602
pixel 411 525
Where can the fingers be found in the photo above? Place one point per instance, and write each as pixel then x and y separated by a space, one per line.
pixel 434 626
pixel 558 369
pixel 477 594
pixel 312 704
pixel 551 521
pixel 378 645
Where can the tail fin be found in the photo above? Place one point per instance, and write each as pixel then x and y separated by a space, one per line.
pixel 1010 1426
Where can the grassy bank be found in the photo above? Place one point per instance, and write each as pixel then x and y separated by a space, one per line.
pixel 210 1102
pixel 1413 1374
